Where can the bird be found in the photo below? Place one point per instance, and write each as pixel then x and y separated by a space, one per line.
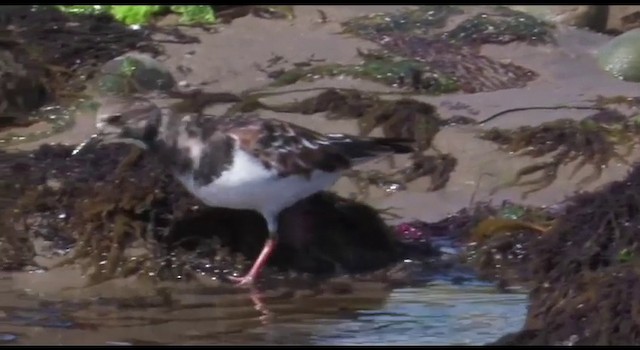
pixel 242 161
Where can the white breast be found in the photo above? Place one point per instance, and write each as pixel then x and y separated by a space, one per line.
pixel 248 185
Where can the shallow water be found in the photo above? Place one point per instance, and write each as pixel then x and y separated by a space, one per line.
pixel 435 314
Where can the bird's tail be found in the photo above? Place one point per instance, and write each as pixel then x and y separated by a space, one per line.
pixel 365 148
pixel 396 145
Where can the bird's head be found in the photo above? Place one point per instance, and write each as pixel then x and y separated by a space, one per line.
pixel 131 120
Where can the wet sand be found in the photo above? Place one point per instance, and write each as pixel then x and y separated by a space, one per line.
pixel 226 60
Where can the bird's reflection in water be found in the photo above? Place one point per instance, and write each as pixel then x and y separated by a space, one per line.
pixel 256 297
pixel 288 315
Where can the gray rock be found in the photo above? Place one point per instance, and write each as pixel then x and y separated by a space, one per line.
pixel 134 73
pixel 621 56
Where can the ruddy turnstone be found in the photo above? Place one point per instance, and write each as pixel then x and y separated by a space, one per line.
pixel 242 161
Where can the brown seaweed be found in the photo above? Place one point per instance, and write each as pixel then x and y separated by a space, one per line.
pixel 593 141
pixel 438 168
pixel 492 226
pixel 586 265
pixel 594 308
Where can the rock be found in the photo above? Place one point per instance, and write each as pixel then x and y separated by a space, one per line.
pixel 623 18
pixel 134 73
pixel 621 56
pixel 587 16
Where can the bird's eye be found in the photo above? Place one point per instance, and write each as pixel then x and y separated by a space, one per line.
pixel 114 119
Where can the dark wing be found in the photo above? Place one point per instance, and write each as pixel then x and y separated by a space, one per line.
pixel 294 150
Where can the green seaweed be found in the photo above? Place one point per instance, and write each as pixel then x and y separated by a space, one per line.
pixel 625 255
pixel 195 14
pixel 143 14
pixel 512 212
pixel 135 14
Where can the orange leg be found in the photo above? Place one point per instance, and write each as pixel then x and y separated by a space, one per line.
pixel 258 265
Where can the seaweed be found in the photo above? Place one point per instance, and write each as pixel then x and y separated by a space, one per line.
pixel 437 167
pixel 433 67
pixel 587 265
pixel 504 26
pixel 492 226
pixel 142 14
pixel 591 141
pixel 594 308
pixel 416 54
pixel 497 25
pixel 449 60
pixel 500 240
pixel 595 228
pixel 397 73
pixel 422 20
pixel 494 240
